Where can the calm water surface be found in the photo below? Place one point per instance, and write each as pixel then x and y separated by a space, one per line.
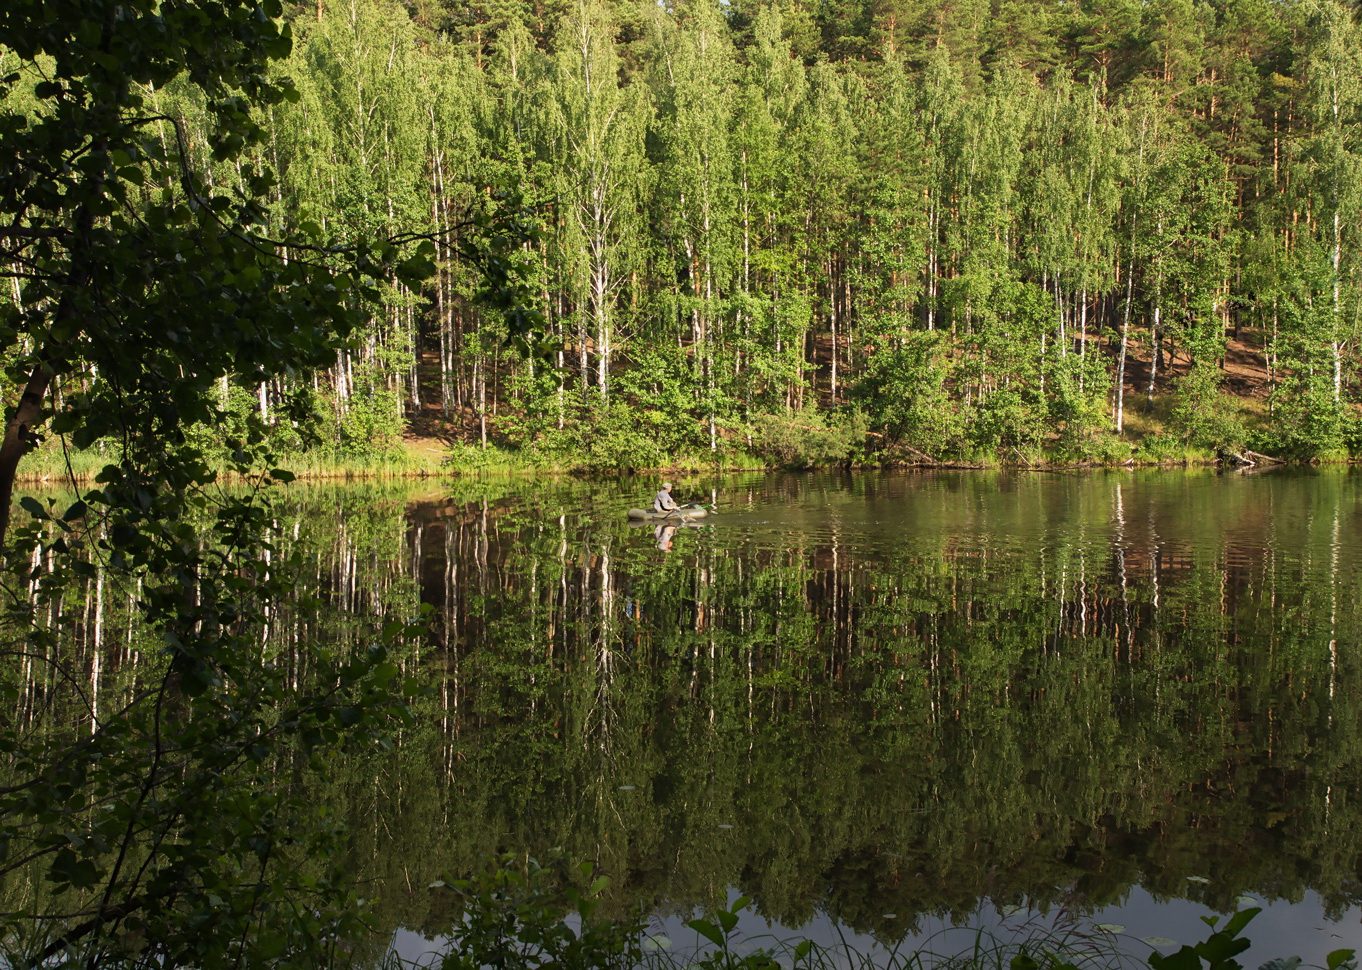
pixel 886 702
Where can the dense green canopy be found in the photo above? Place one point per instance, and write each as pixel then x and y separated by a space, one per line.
pixel 975 230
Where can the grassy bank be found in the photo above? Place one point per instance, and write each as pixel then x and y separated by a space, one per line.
pixel 1151 437
pixel 52 464
pixel 51 467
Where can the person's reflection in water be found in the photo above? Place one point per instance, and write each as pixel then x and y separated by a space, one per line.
pixel 663 533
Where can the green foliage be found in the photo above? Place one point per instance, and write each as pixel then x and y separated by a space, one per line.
pixel 1308 418
pixel 719 930
pixel 1168 448
pixel 170 826
pixel 1307 423
pixel 1008 423
pixel 238 422
pixel 1217 951
pixel 463 457
pixel 808 438
pixel 370 423
pixel 610 436
pixel 166 823
pixel 515 917
pixel 1201 415
pixel 1078 412
pixel 906 391
pixel 761 211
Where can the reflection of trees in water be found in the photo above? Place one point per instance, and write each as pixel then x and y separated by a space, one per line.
pixel 1043 687
pixel 1142 695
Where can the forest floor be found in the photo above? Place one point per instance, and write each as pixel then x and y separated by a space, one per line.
pixel 1244 366
pixel 431 433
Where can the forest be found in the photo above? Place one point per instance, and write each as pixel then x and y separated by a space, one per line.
pixel 242 236
pixel 799 234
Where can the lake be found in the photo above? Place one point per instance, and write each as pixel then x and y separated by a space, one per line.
pixel 877 703
pixel 889 701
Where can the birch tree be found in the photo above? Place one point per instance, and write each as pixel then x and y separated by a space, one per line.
pixel 596 130
pixel 696 73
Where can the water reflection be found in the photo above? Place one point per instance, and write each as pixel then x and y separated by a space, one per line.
pixel 861 694
pixel 865 694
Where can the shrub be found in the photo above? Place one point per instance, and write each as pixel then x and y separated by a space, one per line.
pixel 905 392
pixel 1008 421
pixel 807 438
pixel 372 422
pixel 1306 423
pixel 1201 414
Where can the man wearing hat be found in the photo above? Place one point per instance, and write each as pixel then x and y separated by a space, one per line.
pixel 664 502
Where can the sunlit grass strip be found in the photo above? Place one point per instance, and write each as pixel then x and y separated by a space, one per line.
pixel 54 463
pixel 396 464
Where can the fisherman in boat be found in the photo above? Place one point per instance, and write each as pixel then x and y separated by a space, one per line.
pixel 664 501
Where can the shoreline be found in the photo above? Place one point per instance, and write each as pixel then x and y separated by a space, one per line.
pixel 399 471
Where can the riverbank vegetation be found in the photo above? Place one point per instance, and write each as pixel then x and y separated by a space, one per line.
pixel 798 234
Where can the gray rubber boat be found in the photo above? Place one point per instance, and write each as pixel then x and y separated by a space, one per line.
pixel 681 515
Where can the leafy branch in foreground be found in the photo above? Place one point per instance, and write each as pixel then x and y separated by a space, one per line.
pixel 151 814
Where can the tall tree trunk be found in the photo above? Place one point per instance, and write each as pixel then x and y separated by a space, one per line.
pixel 1121 357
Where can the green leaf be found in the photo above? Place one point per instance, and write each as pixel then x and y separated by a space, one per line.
pixel 1339 958
pixel 70 869
pixel 708 930
pixel 1185 958
pixel 33 507
pixel 1241 919
pixel 1282 963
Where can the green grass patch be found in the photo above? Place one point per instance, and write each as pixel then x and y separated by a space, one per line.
pixel 395 464
pixel 53 462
